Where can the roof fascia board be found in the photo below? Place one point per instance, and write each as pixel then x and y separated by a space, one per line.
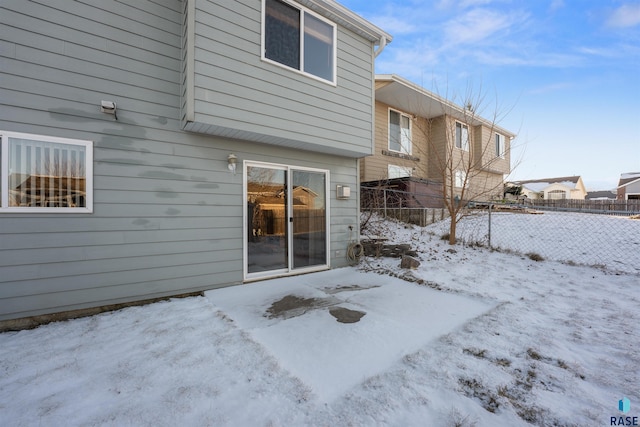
pixel 349 19
pixel 629 183
pixel 448 107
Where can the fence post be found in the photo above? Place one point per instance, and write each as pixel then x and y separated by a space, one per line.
pixel 385 202
pixel 490 204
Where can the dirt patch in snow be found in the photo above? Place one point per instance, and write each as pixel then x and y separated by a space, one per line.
pixel 294 306
pixel 344 315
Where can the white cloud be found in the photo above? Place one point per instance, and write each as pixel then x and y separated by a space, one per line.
pixel 627 15
pixel 394 25
pixel 409 61
pixel 450 4
pixel 614 52
pixel 596 51
pixel 477 25
pixel 554 87
pixel 555 5
pixel 471 3
pixel 529 58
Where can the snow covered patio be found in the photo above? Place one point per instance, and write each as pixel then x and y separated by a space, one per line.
pixel 331 356
pixel 490 339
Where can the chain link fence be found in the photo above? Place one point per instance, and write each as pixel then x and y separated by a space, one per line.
pixel 607 239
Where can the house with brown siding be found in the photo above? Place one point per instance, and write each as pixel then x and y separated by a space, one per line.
pixel 421 135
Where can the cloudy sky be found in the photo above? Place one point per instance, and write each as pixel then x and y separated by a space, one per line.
pixel 562 74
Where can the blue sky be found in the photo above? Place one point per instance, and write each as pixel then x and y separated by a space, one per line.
pixel 564 75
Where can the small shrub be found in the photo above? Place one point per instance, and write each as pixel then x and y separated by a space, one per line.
pixel 457 420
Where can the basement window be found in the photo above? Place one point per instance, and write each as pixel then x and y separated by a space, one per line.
pixel 45 174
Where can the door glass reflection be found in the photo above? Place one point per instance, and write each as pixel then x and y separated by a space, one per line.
pixel 267 219
pixel 309 218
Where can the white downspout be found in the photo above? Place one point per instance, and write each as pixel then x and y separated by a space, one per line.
pixel 381 46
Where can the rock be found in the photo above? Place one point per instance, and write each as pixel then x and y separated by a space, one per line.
pixel 409 262
pixel 378 249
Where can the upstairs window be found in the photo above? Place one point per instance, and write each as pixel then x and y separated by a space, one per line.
pixel 462 136
pixel 399 132
pixel 394 171
pixel 298 39
pixel 460 179
pixel 45 174
pixel 500 148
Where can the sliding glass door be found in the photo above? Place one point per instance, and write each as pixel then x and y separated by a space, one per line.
pixel 309 218
pixel 286 213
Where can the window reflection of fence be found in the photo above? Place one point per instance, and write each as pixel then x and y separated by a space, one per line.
pixel 308 221
pixel 272 222
pixel 414 207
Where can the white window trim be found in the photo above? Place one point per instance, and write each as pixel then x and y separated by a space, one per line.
pixel 463 146
pixel 502 145
pixel 303 11
pixel 289 271
pixel 406 171
pixel 558 192
pixel 389 131
pixel 4 173
pixel 459 178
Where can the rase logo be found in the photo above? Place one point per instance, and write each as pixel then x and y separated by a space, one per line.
pixel 624 406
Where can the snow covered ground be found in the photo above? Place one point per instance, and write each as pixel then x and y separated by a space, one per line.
pixel 480 338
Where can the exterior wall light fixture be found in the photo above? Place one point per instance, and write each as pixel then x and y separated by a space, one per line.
pixel 108 107
pixel 232 162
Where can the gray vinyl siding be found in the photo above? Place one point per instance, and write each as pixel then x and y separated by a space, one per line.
pixel 167 213
pixel 236 94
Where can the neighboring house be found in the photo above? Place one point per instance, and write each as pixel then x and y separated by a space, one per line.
pixel 601 195
pixel 418 133
pixel 568 187
pixel 629 186
pixel 135 136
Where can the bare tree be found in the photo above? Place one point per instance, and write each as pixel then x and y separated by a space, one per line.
pixel 454 143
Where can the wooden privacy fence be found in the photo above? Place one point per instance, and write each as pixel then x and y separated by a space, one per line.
pixel 417 216
pixel 609 207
